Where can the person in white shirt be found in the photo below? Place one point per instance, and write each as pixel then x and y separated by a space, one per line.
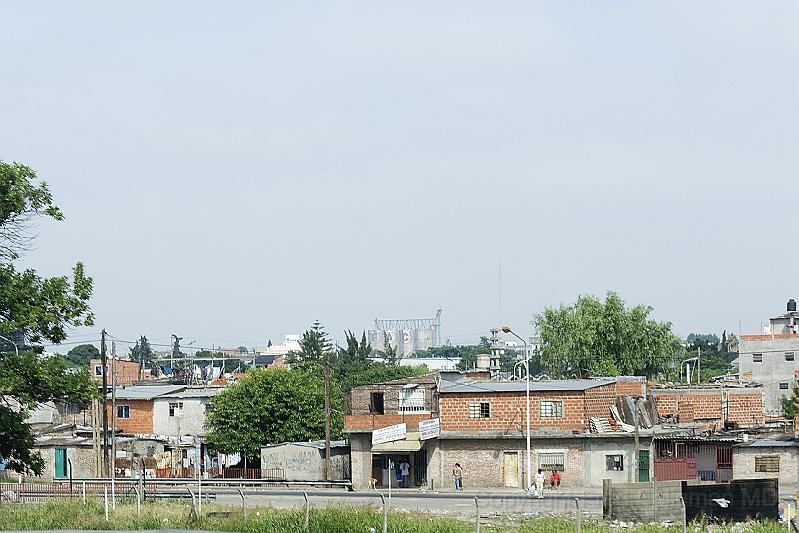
pixel 539 483
pixel 405 469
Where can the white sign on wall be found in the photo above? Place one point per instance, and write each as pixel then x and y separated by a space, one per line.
pixel 388 434
pixel 429 429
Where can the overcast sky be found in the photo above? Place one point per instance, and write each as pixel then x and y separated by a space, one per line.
pixel 233 171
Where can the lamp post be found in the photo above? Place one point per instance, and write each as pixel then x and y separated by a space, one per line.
pixel 506 329
pixel 12 342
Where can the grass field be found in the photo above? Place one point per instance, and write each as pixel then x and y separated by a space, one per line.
pixel 74 515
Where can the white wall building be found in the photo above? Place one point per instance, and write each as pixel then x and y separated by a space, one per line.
pixel 182 413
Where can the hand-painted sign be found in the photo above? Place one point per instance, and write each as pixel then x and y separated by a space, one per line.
pixel 429 429
pixel 388 434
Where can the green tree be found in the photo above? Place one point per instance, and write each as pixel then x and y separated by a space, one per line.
pixel 315 347
pixel 41 309
pixel 82 354
pixel 142 351
pixel 790 406
pixel 271 406
pixel 595 338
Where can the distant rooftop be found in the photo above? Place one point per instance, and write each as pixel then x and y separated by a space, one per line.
pixel 204 392
pixel 145 392
pixel 318 444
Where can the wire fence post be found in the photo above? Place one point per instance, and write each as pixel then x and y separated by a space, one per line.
pixel 385 513
pixel 193 505
pixel 578 514
pixel 105 500
pixel 476 515
pixel 243 503
pixel 138 502
pixel 307 511
pixel 682 504
pixel 83 492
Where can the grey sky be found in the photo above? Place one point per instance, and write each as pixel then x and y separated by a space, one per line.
pixel 233 171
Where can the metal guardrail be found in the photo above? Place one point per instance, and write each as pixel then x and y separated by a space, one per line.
pixel 212 482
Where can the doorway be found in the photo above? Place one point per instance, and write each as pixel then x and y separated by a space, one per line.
pixel 511 469
pixel 643 466
pixel 61 463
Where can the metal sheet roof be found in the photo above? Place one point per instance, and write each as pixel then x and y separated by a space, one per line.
pixel 206 392
pixel 145 392
pixel 757 443
pixel 555 385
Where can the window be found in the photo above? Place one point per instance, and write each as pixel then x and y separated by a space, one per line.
pixel 98 370
pixel 551 409
pixel 411 399
pixel 614 462
pixel 549 461
pixel 757 357
pixel 784 385
pixel 789 356
pixel 767 463
pixel 175 408
pixel 123 411
pixel 209 408
pixel 376 403
pixel 478 410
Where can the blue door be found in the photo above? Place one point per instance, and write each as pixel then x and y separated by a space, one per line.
pixel 61 463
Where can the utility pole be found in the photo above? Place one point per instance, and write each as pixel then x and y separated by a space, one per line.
pixel 327 417
pixel 114 420
pixel 104 359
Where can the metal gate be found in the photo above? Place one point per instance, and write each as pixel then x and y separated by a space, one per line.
pixel 643 466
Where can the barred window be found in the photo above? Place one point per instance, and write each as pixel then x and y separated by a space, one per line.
pixel 784 385
pixel 767 463
pixel 551 409
pixel 549 461
pixel 478 410
pixel 789 356
pixel 614 462
pixel 757 357
pixel 411 400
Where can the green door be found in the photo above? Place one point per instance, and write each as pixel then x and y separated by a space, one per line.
pixel 643 465
pixel 61 463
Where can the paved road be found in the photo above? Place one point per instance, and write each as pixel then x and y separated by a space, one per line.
pixel 444 503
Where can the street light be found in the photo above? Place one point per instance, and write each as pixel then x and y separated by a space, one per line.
pixel 12 342
pixel 506 329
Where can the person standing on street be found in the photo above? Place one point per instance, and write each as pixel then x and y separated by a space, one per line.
pixel 457 473
pixel 539 483
pixel 405 469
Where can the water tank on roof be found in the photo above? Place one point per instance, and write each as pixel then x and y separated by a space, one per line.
pixel 791 305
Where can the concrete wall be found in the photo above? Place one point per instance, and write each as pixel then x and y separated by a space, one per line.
pixel 82 457
pixel 190 422
pixel 306 463
pixel 644 502
pixel 361 459
pixel 743 463
pixel 773 369
pixel 595 452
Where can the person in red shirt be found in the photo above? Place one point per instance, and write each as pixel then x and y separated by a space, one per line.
pixel 554 481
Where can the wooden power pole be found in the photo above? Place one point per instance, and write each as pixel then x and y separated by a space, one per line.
pixel 327 418
pixel 104 358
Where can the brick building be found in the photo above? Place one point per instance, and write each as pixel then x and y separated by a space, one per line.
pixel 127 372
pixel 134 405
pixel 483 425
pixel 715 407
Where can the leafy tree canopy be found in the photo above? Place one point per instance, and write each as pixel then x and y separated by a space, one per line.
pixel 82 354
pixel 142 351
pixel 40 309
pixel 596 338
pixel 271 406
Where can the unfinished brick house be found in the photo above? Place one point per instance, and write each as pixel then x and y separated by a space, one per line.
pixel 483 427
pixel 713 407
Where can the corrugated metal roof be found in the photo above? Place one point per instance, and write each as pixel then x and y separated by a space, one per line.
pixel 206 392
pixel 145 392
pixel 319 444
pixel 555 385
pixel 758 443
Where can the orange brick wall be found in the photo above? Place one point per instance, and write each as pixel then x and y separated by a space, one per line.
pixel 599 399
pixel 127 372
pixel 743 407
pixel 508 411
pixel 369 422
pixel 141 417
pixel 746 409
pixel 630 388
